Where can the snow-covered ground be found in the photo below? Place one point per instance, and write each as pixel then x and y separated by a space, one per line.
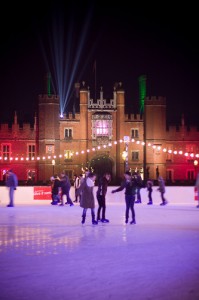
pixel 46 253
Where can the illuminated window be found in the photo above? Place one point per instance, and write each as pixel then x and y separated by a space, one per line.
pixel 102 126
pixel 134 133
pixel 31 151
pixel 135 155
pixel 6 150
pixel 68 133
pixel 67 154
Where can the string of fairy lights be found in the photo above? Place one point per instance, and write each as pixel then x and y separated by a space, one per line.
pixel 94 149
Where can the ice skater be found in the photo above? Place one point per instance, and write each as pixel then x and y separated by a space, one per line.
pixel 11 183
pixel 101 197
pixel 87 199
pixel 129 184
pixel 149 186
pixel 162 190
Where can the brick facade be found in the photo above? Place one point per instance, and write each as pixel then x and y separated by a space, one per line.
pixel 96 137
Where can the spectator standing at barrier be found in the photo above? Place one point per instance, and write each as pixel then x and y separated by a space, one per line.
pixel 87 197
pixel 11 183
pixel 149 186
pixel 162 190
pixel 65 190
pixel 101 196
pixel 129 184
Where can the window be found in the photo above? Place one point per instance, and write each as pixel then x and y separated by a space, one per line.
pixel 50 149
pixel 169 175
pixel 102 126
pixel 68 133
pixel 31 151
pixel 190 175
pixel 69 173
pixel 6 151
pixel 135 155
pixel 68 154
pixel 134 133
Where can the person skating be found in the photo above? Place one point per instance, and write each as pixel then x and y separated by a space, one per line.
pixel 149 186
pixel 101 197
pixel 129 184
pixel 87 199
pixel 65 189
pixel 11 183
pixel 55 189
pixel 162 190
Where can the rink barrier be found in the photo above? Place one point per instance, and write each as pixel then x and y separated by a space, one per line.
pixel 42 195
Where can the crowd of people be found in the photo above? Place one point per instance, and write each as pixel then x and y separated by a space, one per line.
pixel 84 192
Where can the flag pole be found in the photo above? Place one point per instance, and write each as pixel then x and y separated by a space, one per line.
pixel 95 74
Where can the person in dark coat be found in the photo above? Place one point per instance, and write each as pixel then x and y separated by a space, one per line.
pixel 149 186
pixel 101 196
pixel 129 184
pixel 55 189
pixel 87 199
pixel 65 190
pixel 11 183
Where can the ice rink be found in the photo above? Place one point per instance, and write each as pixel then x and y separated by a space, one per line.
pixel 46 253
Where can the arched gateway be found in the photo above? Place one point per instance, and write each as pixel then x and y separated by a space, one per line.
pixel 101 164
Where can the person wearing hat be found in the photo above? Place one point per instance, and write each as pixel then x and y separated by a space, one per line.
pixel 129 184
pixel 11 183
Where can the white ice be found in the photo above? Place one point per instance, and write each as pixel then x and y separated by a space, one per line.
pixel 46 253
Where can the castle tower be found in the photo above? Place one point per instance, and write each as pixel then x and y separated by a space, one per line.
pixel 84 118
pixel 155 133
pixel 48 133
pixel 120 128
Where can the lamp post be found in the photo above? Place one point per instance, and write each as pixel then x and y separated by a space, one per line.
pixel 124 157
pixel 125 153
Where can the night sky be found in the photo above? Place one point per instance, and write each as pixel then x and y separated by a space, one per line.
pixel 125 40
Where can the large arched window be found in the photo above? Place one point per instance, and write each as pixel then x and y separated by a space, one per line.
pixel 102 126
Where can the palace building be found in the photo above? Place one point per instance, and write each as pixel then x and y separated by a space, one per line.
pixel 102 137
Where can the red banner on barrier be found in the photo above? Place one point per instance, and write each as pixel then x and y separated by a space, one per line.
pixel 42 193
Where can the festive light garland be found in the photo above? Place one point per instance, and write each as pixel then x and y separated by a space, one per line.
pixel 50 157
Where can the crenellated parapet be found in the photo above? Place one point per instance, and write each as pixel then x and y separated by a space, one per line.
pixel 182 132
pixel 133 118
pixel 16 130
pixel 47 99
pixel 70 117
pixel 153 100
pixel 102 103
